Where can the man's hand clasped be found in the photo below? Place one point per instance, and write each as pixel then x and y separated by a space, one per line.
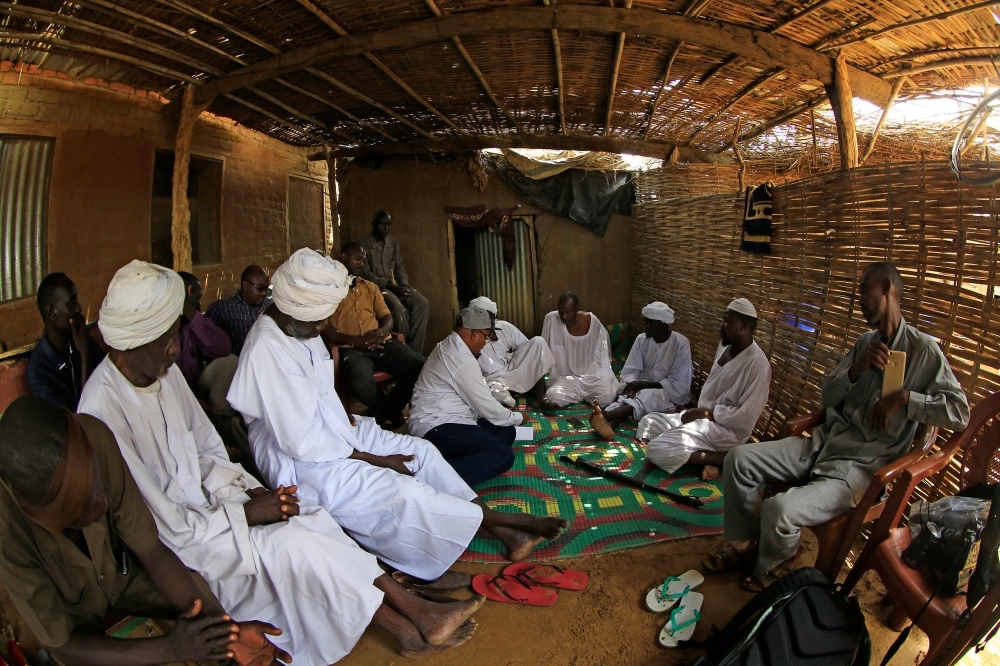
pixel 885 408
pixel 695 414
pixel 271 506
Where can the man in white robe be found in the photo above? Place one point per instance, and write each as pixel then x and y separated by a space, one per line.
pixel 656 376
pixel 512 362
pixel 731 401
pixel 394 494
pixel 264 555
pixel 581 348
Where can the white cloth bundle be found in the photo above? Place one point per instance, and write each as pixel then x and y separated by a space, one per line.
pixel 143 302
pixel 309 286
pixel 658 311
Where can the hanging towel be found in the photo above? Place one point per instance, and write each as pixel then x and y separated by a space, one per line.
pixel 757 219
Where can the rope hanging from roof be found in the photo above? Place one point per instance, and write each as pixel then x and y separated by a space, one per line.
pixel 956 148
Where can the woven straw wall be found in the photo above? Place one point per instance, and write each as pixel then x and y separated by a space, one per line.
pixel 942 235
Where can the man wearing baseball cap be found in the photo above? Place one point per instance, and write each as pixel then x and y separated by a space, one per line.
pixel 454 409
pixel 730 403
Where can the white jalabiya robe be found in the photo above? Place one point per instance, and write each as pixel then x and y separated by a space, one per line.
pixel 304 576
pixel 515 360
pixel 735 392
pixel 301 435
pixel 582 370
pixel 668 363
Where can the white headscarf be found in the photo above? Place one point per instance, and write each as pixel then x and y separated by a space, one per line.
pixel 744 307
pixel 484 303
pixel 309 286
pixel 658 311
pixel 143 302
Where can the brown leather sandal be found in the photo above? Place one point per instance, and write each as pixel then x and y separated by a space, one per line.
pixel 727 558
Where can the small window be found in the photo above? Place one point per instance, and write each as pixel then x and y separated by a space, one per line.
pixel 25 167
pixel 307 203
pixel 204 194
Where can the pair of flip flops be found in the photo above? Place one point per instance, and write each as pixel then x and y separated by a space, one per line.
pixel 529 584
pixel 677 591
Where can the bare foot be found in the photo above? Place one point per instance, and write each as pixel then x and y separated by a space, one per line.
pixel 413 644
pixel 600 424
pixel 543 526
pixel 549 406
pixel 519 544
pixel 709 473
pixel 436 622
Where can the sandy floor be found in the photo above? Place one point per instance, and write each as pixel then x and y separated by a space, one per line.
pixel 605 624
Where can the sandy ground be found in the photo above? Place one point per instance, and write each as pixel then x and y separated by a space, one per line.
pixel 607 623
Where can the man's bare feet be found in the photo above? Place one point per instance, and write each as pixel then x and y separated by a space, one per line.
pixel 550 406
pixel 709 473
pixel 412 644
pixel 599 424
pixel 519 544
pixel 436 622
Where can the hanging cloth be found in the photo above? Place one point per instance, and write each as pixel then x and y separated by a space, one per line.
pixel 497 220
pixel 757 225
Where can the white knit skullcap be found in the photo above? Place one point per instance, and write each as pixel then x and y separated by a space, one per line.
pixel 143 302
pixel 658 311
pixel 484 303
pixel 309 286
pixel 744 307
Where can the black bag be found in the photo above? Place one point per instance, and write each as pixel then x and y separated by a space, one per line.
pixel 799 620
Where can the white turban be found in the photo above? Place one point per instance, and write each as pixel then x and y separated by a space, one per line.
pixel 484 303
pixel 658 311
pixel 744 307
pixel 143 302
pixel 309 286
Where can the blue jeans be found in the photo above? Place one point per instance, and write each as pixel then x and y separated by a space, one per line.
pixel 477 452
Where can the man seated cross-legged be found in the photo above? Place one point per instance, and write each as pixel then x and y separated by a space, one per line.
pixel 864 431
pixel 454 409
pixel 656 376
pixel 581 348
pixel 265 555
pixel 79 544
pixel 360 327
pixel 393 493
pixel 511 362
pixel 730 403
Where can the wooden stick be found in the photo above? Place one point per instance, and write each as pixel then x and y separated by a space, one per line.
pixel 619 48
pixel 331 170
pixel 278 119
pixel 663 85
pixel 180 224
pixel 841 99
pixel 368 100
pixel 301 116
pixel 559 72
pixel 335 107
pixel 885 113
pixel 812 128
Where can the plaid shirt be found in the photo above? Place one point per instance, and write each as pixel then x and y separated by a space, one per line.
pixel 235 317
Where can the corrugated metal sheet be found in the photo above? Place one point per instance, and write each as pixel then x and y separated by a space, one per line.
pixel 25 164
pixel 512 290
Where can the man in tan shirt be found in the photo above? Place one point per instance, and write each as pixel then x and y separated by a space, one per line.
pixel 360 327
pixel 78 543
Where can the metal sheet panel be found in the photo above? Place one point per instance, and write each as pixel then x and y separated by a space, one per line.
pixel 25 165
pixel 512 290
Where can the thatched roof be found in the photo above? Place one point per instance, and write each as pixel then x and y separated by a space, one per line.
pixel 638 77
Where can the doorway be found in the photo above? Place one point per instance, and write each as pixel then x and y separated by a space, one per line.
pixel 478 269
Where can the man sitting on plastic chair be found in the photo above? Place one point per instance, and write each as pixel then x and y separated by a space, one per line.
pixel 864 430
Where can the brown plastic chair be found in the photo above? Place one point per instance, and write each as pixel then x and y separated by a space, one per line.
pixel 837 536
pixel 977 447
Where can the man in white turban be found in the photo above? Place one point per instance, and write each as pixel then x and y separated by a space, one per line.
pixel 656 376
pixel 511 362
pixel 265 555
pixel 393 493
pixel 731 401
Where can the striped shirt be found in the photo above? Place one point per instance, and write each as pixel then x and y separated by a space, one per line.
pixel 235 317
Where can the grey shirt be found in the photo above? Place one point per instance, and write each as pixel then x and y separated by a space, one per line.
pixel 383 261
pixel 846 447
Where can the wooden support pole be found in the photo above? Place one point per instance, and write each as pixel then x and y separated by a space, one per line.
pixel 615 68
pixel 331 170
pixel 885 114
pixel 180 226
pixel 664 80
pixel 842 102
pixel 812 128
pixel 559 72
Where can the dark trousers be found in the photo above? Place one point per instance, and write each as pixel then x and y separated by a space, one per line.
pixel 357 367
pixel 477 452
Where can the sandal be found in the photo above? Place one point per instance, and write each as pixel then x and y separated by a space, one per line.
pixel 754 584
pixel 512 590
pixel 547 575
pixel 681 624
pixel 450 581
pixel 727 558
pixel 664 597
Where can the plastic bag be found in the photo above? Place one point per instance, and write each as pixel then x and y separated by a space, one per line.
pixel 950 514
pixel 501 393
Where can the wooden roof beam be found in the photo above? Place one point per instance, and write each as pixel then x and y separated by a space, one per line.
pixel 881 121
pixel 944 64
pixel 663 85
pixel 841 99
pixel 457 41
pixel 781 119
pixel 337 28
pixel 277 119
pixel 335 107
pixel 452 145
pixel 749 88
pixel 559 72
pixel 770 50
pixel 619 49
pixel 208 18
pixel 302 116
pixel 919 21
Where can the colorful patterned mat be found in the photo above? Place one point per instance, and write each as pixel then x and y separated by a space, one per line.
pixel 604 516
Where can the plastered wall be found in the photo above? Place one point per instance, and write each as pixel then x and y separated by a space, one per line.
pixel 415 193
pixel 101 184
